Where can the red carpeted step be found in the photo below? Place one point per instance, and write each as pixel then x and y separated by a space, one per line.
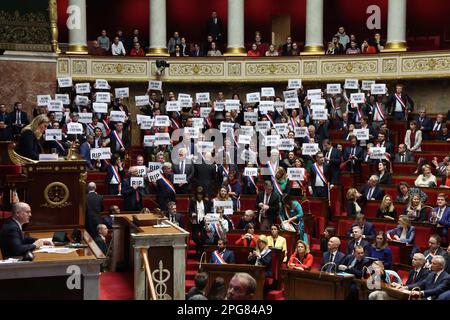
pixel 191 252
pixel 275 295
pixel 190 274
pixel 116 286
pixel 189 284
pixel 192 243
pixel 192 264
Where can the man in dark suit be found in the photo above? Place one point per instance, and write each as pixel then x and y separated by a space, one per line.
pixel 332 255
pixel 85 152
pixel 119 140
pixel 173 215
pixel 182 165
pixel 214 27
pixel 205 174
pixel 403 155
pixel 368 229
pixel 317 186
pixel 94 209
pixel 353 156
pixel 132 193
pixel 5 124
pixel 333 160
pixel 13 243
pixel 424 123
pixel 371 190
pixel 418 273
pixel 358 240
pixel 165 190
pixel 399 103
pixel 355 263
pixel 268 206
pixel 100 238
pixel 222 254
pixel 18 118
pixel 382 142
pixel 439 124
pixel 197 52
pixel 434 249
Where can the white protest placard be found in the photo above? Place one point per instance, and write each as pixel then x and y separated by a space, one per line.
pixel 63 97
pixel 117 116
pixel 378 153
pixel 286 144
pixel 357 98
pixel 272 140
pixel 85 117
pixel 162 121
pixel 205 111
pixel 251 116
pixel 320 114
pixel 173 106
pixel 250 172
pixel 140 117
pixel 81 88
pixel 334 88
pixel 141 171
pixel 154 176
pixel 219 105
pixel 262 126
pixel 351 84
pixel 318 103
pixel 146 123
pixel 155 85
pixel 246 130
pixel 291 103
pixel 141 101
pixel 205 146
pixel 267 92
pixel 100 107
pixel 202 97
pixel 279 106
pixel 301 132
pixel 65 82
pixel 226 126
pixel 296 174
pixel 53 134
pixel 361 134
pixel 162 139
pixel 43 100
pixel 191 132
pixel 154 166
pixel 378 88
pixel 212 218
pixel 184 96
pixel 103 97
pixel 314 94
pixel 185 102
pixel 249 156
pixel 290 94
pixel 294 83
pixel 310 149
pixel 100 153
pixel 149 140
pixel 81 101
pixel 74 128
pixel 101 84
pixel 137 182
pixel 122 92
pixel 198 122
pixel 179 178
pixel 266 106
pixel 367 85
pixel 244 139
pixel 232 104
pixel 253 97
pixel 227 204
pixel 55 105
pixel 282 128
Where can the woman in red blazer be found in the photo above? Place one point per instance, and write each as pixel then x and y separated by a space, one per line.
pixel 301 259
pixel 249 238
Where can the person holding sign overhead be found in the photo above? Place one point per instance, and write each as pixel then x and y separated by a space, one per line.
pixel 133 189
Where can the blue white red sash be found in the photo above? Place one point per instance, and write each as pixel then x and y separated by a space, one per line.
pixel 319 173
pixel 91 126
pixel 209 122
pixel 108 130
pixel 252 180
pixel 217 258
pixel 274 180
pixel 379 110
pixel 218 229
pixel 175 125
pixel 118 139
pixel 358 111
pixel 399 99
pixel 293 124
pixel 333 104
pixel 60 145
pixel 168 184
pixel 226 171
pixel 270 119
pixel 117 176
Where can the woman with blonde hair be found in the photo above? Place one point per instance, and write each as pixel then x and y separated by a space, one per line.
pixel 380 274
pixel 353 207
pixel 301 259
pixel 387 209
pixel 414 210
pixel 404 233
pixel 29 144
pixel 282 180
pixel 426 179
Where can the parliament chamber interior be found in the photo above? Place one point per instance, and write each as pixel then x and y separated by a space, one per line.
pixel 224 150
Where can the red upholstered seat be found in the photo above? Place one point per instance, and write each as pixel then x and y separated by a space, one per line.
pixel 422 237
pixel 248 202
pixel 112 200
pixel 395 254
pixel 343 226
pixel 10 169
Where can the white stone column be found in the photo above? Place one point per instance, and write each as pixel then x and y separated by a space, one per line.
pixel 158 32
pixel 396 31
pixel 76 23
pixel 236 45
pixel 314 28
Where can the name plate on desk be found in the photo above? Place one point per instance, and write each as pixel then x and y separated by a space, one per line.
pixel 48 157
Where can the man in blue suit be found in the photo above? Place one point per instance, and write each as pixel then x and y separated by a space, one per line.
pixel 419 272
pixel 425 124
pixel 333 255
pixel 441 214
pixel 368 229
pixel 355 263
pixel 371 190
pixel 85 151
pixel 222 255
pixel 358 241
pixel 353 156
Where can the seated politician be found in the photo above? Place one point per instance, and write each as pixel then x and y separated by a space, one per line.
pixel 262 256
pixel 355 263
pixel 249 238
pixel 277 241
pixel 301 259
pixel 333 257
pixel 13 242
pixel 222 255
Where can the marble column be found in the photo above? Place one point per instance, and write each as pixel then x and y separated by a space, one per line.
pixel 158 32
pixel 76 23
pixel 236 45
pixel 396 31
pixel 314 28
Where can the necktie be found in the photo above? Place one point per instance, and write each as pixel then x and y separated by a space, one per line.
pixel 402 158
pixel 435 278
pixel 137 196
pixel 331 257
pixel 415 275
pixel 18 117
pixel 369 194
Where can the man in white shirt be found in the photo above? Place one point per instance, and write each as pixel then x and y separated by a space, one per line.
pixel 117 48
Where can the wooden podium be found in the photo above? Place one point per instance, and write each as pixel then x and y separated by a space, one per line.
pixel 56 192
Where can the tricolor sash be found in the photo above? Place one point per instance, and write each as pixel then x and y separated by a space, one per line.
pixel 168 184
pixel 175 125
pixel 379 110
pixel 217 258
pixel 333 104
pixel 118 139
pixel 252 180
pixel 209 122
pixel 319 173
pixel 399 99
pixel 274 180
pixel 117 176
pixel 60 145
pixel 91 126
pixel 270 119
pixel 108 130
pixel 226 171
pixel 218 229
pixel 293 124
pixel 358 111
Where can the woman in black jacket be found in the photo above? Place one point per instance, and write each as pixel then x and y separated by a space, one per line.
pixel 29 144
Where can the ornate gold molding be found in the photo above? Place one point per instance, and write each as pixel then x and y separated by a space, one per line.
pixel 77 49
pixel 196 69
pixel 53 15
pixel 313 50
pixel 349 67
pixel 273 69
pixel 395 46
pixel 107 68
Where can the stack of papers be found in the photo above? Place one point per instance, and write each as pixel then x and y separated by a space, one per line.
pixel 49 249
pixel 10 260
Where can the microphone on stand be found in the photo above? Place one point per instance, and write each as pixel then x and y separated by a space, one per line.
pixel 201 260
pixel 325 265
